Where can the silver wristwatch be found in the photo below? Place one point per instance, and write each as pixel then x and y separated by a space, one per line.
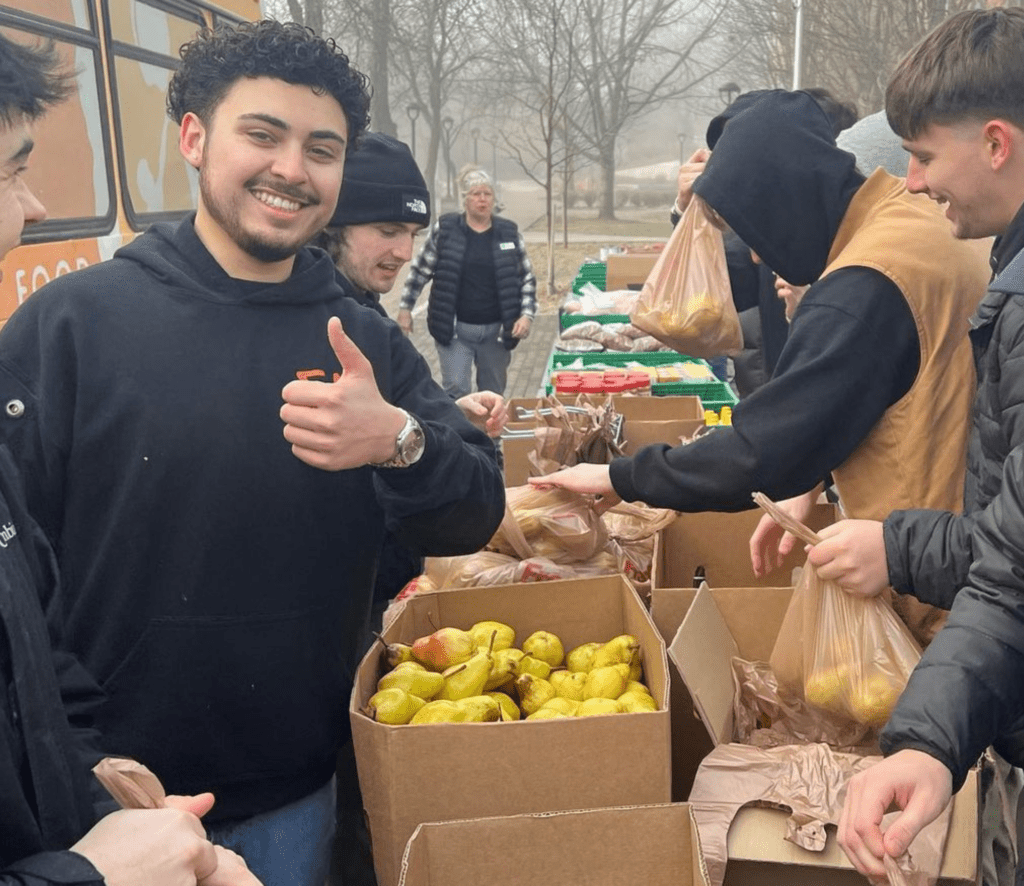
pixel 409 445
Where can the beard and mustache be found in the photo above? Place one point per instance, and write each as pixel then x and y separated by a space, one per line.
pixel 254 243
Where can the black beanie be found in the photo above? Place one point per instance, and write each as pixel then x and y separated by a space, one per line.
pixel 382 183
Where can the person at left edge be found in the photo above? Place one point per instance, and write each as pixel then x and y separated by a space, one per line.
pixel 219 547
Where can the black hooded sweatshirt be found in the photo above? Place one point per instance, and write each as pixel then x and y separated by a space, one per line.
pixel 778 180
pixel 215 584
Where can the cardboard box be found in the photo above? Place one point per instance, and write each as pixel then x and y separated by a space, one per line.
pixel 716 547
pixel 723 623
pixel 647 420
pixel 415 774
pixel 649 845
pixel 628 271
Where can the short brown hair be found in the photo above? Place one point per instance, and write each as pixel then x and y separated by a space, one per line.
pixel 970 66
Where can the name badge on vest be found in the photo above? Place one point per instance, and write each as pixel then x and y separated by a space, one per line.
pixel 507 245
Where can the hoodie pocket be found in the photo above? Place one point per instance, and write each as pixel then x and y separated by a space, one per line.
pixel 209 701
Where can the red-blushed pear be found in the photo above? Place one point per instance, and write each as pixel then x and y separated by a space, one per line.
pixel 444 648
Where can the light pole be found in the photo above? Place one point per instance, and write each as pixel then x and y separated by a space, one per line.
pixel 413 111
pixel 729 91
pixel 475 132
pixel 682 148
pixel 798 42
pixel 448 123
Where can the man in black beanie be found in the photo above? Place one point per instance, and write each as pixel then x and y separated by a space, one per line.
pixel 384 202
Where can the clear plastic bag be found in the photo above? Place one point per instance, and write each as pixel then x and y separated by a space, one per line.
pixel 844 654
pixel 686 302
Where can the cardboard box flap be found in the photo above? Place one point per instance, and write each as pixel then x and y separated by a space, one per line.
pixel 703 649
pixel 654 845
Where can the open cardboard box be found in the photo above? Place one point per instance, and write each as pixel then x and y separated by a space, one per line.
pixel 715 547
pixel 628 271
pixel 424 773
pixel 647 420
pixel 719 625
pixel 649 845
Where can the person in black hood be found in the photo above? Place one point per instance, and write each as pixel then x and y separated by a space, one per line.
pixel 216 439
pixel 877 354
pixel 763 316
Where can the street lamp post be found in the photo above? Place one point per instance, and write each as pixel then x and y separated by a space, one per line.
pixel 798 42
pixel 448 123
pixel 729 91
pixel 682 148
pixel 475 132
pixel 413 111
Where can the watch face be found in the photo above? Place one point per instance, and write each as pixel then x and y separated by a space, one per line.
pixel 412 445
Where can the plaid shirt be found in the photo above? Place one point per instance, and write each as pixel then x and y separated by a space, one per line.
pixel 421 271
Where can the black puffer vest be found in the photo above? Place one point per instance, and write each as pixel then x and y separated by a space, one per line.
pixel 999 402
pixel 451 250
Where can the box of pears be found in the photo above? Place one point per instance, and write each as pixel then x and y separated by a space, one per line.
pixel 577 716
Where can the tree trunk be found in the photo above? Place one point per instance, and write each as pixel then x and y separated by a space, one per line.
pixel 607 210
pixel 380 105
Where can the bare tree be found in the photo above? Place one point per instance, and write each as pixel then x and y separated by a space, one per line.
pixel 435 44
pixel 849 48
pixel 631 57
pixel 532 82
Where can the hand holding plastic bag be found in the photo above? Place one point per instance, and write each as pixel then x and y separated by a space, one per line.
pixel 848 655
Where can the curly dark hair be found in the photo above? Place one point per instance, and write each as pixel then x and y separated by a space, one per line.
pixel 218 57
pixel 30 80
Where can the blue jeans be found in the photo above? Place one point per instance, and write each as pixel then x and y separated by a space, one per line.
pixel 290 846
pixel 471 344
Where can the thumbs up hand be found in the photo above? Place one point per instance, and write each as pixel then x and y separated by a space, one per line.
pixel 344 424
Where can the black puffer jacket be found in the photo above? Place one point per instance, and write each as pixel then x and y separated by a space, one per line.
pixel 929 552
pixel 451 249
pixel 968 691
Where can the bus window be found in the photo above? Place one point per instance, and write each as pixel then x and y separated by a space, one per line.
pixel 66 12
pixel 146 38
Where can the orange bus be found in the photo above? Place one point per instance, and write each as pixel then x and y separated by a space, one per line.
pixel 106 163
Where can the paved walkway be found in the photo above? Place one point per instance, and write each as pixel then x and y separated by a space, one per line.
pixel 529 360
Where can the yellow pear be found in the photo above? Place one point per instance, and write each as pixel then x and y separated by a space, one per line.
pixel 581 658
pixel 529 664
pixel 439 711
pixel 422 683
pixel 546 714
pixel 396 653
pixel 545 646
pixel 568 684
pixel 444 648
pixel 395 707
pixel 493 635
pixel 503 667
pixel 872 702
pixel 533 692
pixel 480 708
pixel 606 682
pixel 635 702
pixel 509 709
pixel 636 670
pixel 565 705
pixel 635 686
pixel 469 678
pixel 411 665
pixel 595 706
pixel 625 648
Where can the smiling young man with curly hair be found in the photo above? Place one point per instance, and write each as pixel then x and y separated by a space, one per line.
pixel 216 439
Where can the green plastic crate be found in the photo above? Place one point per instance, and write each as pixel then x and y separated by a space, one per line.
pixel 714 392
pixel 567 320
pixel 590 272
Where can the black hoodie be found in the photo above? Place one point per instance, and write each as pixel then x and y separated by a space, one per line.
pixel 214 583
pixel 778 180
